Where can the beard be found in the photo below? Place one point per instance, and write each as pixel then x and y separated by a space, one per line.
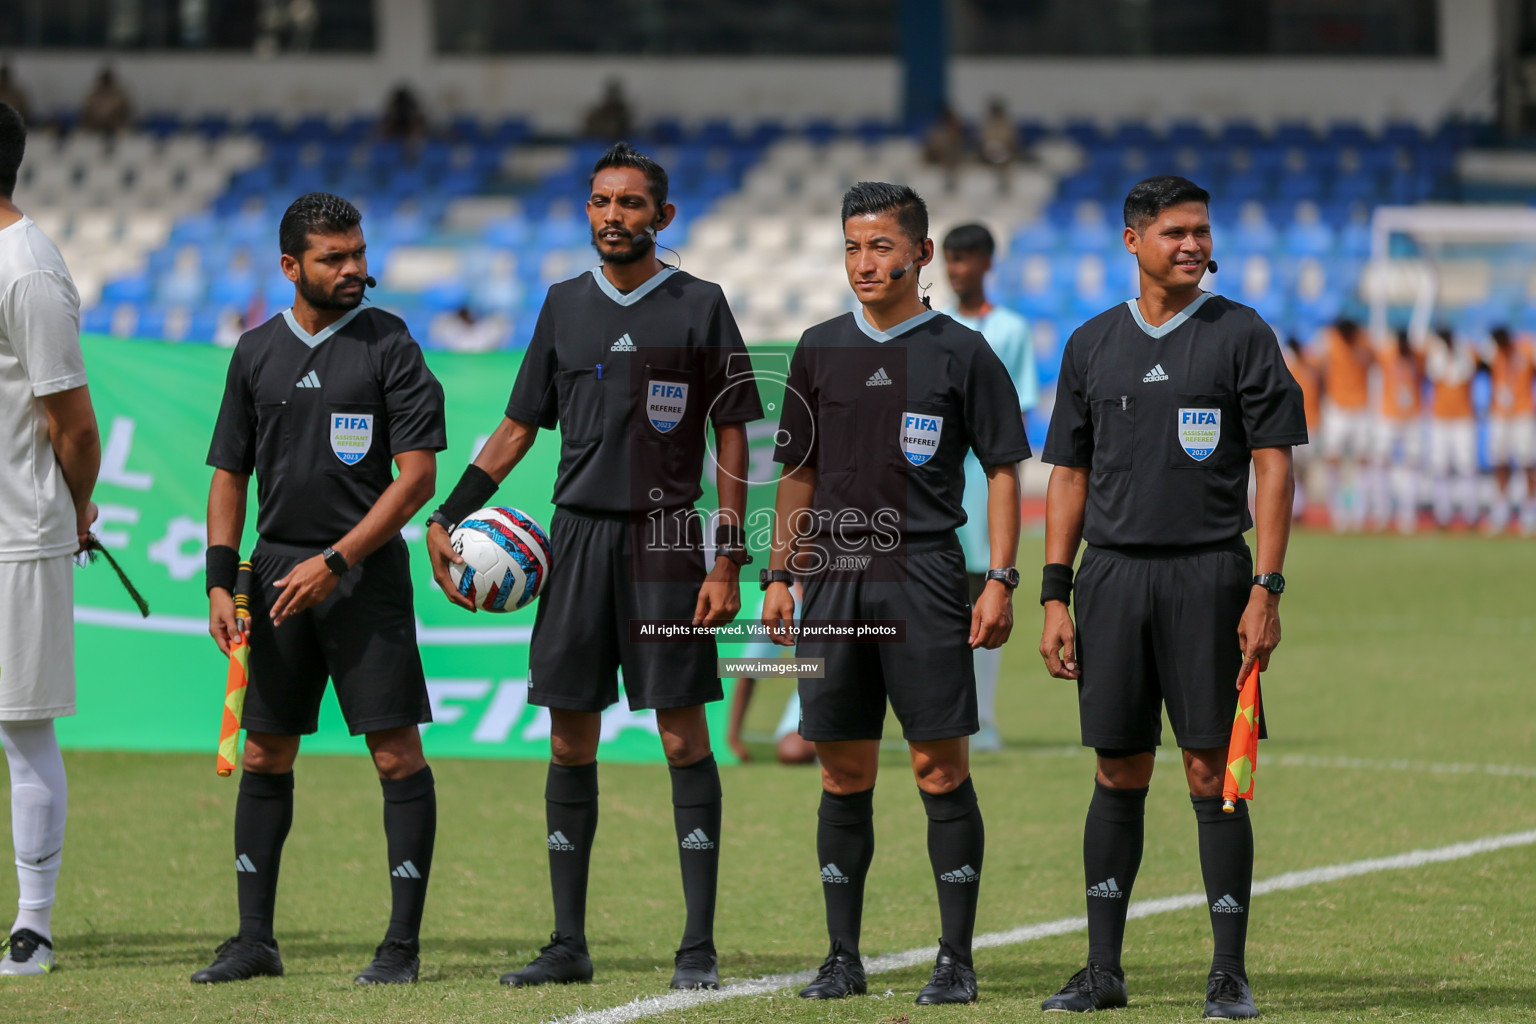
pixel 321 298
pixel 640 246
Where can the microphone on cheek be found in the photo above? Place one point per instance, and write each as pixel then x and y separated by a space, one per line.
pixel 900 272
pixel 1210 266
pixel 370 282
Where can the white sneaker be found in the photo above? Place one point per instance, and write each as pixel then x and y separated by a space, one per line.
pixel 26 952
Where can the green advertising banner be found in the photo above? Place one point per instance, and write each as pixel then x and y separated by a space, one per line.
pixel 158 683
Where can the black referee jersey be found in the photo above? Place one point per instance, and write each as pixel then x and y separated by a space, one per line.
pixel 319 419
pixel 630 378
pixel 1165 419
pixel 885 419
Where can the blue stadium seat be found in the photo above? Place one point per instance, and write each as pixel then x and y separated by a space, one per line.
pixel 133 287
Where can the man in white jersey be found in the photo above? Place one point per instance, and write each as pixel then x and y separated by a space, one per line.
pixel 968 253
pixel 49 454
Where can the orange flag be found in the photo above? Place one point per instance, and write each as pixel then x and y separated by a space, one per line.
pixel 1243 751
pixel 235 682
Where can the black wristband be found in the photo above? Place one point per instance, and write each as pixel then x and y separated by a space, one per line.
pixel 1056 583
pixel 223 564
pixel 473 492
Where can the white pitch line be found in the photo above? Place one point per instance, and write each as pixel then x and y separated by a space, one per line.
pixel 1427 767
pixel 654 1005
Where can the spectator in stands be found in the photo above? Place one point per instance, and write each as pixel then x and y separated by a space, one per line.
pixel 999 136
pixel 1450 365
pixel 12 93
pixel 1304 368
pixel 463 331
pixel 946 145
pixel 228 329
pixel 968 251
pixel 1512 428
pixel 1346 360
pixel 107 108
pixel 1397 452
pixel 403 117
pixel 611 119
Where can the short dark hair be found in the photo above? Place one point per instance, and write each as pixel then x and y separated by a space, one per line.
pixel 866 197
pixel 13 143
pixel 1152 196
pixel 970 238
pixel 314 213
pixel 622 154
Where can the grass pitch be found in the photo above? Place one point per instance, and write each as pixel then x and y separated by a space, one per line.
pixel 1395 650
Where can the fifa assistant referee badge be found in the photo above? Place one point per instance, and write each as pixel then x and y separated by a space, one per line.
pixel 1270 581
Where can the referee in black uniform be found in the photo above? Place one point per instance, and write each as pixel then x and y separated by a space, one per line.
pixel 319 401
pixel 880 409
pixel 1162 404
pixel 633 361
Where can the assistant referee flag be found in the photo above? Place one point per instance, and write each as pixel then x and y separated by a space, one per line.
pixel 1243 751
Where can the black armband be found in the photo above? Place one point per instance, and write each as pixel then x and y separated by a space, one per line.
pixel 1056 583
pixel 223 564
pixel 473 491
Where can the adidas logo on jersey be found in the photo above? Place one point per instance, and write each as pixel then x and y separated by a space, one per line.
pixel 697 840
pixel 832 876
pixel 406 870
pixel 1107 890
pixel 879 379
pixel 310 380
pixel 1157 373
pixel 557 841
pixel 963 874
pixel 244 866
pixel 1226 905
pixel 624 344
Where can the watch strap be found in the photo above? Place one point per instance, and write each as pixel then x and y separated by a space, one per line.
pixel 335 561
pixel 768 577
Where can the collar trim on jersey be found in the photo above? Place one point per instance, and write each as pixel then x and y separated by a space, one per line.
pixel 312 340
pixel 1174 322
pixel 650 285
pixel 898 330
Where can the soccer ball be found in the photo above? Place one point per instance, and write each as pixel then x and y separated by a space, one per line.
pixel 506 559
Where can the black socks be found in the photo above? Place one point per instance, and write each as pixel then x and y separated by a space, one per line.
pixel 845 844
pixel 410 830
pixel 696 815
pixel 1112 841
pixel 263 815
pixel 570 811
pixel 1226 864
pixel 956 841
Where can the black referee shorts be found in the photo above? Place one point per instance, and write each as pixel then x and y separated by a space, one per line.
pixel 929 678
pixel 598 583
pixel 1160 628
pixel 363 637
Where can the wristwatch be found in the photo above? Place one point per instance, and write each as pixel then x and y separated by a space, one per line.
pixel 768 577
pixel 335 562
pixel 731 543
pixel 1270 581
pixel 1009 577
pixel 442 520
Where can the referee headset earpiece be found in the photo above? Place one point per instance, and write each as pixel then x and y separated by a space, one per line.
pixel 901 272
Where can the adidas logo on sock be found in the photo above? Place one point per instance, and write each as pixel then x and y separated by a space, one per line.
pixel 1226 905
pixel 697 840
pixel 832 876
pixel 406 870
pixel 879 379
pixel 311 380
pixel 1157 373
pixel 963 874
pixel 244 866
pixel 624 344
pixel 1107 890
pixel 557 841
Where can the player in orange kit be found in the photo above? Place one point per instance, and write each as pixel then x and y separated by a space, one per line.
pixel 1304 368
pixel 1450 366
pixel 1346 365
pixel 1512 427
pixel 1398 451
